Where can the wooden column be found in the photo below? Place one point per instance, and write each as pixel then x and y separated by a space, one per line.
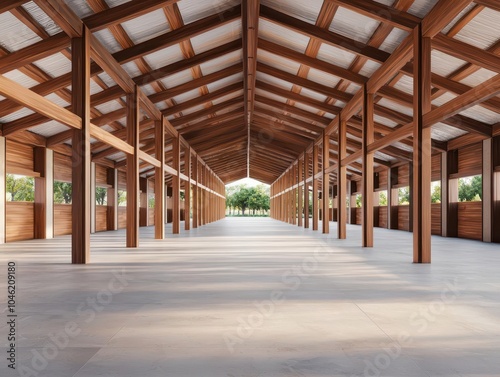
pixel 92 198
pixel 112 207
pixel 306 189
pixel 80 97
pixel 187 189
pixel 300 194
pixel 326 183
pixel 3 193
pixel 422 166
pixel 368 187
pixel 342 182
pixel 488 190
pixel 44 193
pixel 176 186
pixel 315 187
pixel 160 180
pixel 144 198
pixel 444 194
pixel 133 170
pixel 389 197
pixel 294 194
pixel 195 193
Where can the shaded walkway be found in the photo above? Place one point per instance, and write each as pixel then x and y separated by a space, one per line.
pixel 255 297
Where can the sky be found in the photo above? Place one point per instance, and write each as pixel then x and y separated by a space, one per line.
pixel 248 181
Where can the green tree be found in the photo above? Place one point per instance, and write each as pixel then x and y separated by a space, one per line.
pixel 436 194
pixel 122 198
pixel 20 189
pixel 101 194
pixel 383 198
pixel 404 196
pixel 242 198
pixel 62 192
pixel 470 189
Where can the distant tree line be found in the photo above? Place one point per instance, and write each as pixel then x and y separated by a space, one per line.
pixel 241 198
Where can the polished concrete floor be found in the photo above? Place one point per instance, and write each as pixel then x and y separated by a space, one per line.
pixel 253 298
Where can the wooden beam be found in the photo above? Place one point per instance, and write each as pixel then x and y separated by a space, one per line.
pixel 7 5
pixel 441 15
pixel 80 234
pixel 493 4
pixel 133 170
pixel 422 149
pixel 111 140
pixel 307 159
pixel 63 16
pixel 368 184
pixel 123 13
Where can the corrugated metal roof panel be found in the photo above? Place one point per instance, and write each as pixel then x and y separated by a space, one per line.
pixel 481 114
pixel 283 36
pixel 384 121
pixel 193 10
pixel 227 97
pixel 16 115
pixel 54 98
pixel 478 77
pixel 405 84
pixel 164 57
pixel 466 10
pixel 148 26
pixel 20 78
pixel 444 64
pixel 106 79
pixel 225 82
pixel 180 78
pixel 304 10
pixel 217 37
pixel 42 18
pixel 443 132
pixel 311 94
pixel 323 78
pixel 353 25
pixel 336 56
pixel 109 107
pixel 393 40
pixel 286 65
pixel 483 31
pixel 132 69
pixel 55 65
pixel 108 40
pixel 15 35
pixel 192 94
pixel 369 68
pixel 441 100
pixel 421 8
pixel 222 62
pixel 49 129
pixel 274 81
pixel 396 107
pixel 271 96
pixel 80 7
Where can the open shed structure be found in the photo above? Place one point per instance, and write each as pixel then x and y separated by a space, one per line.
pixel 156 97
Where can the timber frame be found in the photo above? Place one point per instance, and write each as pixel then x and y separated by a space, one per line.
pixel 195 101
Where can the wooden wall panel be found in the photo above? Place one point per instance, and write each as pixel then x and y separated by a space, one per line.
pixel 404 175
pixel 62 219
pixel 151 216
pixel 151 183
pixel 101 176
pixel 436 219
pixel 470 160
pixel 101 218
pixel 19 158
pixel 382 180
pixel 62 168
pixel 470 220
pixel 382 217
pixel 436 167
pixel 122 180
pixel 19 221
pixel 122 217
pixel 404 218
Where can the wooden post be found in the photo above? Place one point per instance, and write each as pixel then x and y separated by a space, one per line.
pixel 44 193
pixel 112 207
pixel 187 189
pixel 444 194
pixel 133 170
pixel 488 190
pixel 315 187
pixel 389 197
pixel 144 198
pixel 176 186
pixel 92 198
pixel 195 193
pixel 421 150
pixel 326 183
pixel 80 97
pixel 306 190
pixel 300 195
pixel 3 194
pixel 160 180
pixel 368 187
pixel 342 182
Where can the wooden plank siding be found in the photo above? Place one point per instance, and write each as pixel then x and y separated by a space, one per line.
pixel 101 218
pixel 436 219
pixel 62 219
pixel 19 221
pixel 62 168
pixel 404 218
pixel 470 220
